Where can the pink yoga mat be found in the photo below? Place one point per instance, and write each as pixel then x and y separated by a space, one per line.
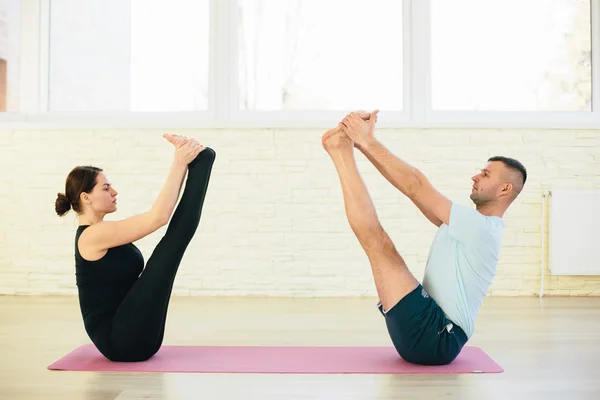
pixel 276 359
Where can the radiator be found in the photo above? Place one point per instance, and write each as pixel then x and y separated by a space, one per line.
pixel 573 226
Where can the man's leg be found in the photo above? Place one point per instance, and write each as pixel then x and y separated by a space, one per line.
pixel 392 278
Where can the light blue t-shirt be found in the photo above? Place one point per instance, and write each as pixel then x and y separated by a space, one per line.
pixel 462 263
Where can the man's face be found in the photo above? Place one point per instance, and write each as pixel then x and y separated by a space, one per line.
pixel 488 183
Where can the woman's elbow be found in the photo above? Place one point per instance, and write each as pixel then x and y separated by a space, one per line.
pixel 158 220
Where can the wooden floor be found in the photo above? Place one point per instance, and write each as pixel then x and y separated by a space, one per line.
pixel 549 348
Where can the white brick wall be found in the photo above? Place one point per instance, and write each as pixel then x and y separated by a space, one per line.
pixel 273 222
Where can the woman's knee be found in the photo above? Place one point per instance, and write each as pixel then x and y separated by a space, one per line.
pixel 204 160
pixel 208 153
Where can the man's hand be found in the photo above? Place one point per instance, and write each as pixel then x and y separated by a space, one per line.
pixel 359 126
pixel 365 115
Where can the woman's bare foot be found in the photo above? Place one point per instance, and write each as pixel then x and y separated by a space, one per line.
pixel 176 140
pixel 184 143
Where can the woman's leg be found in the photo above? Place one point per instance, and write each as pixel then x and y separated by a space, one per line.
pixel 139 323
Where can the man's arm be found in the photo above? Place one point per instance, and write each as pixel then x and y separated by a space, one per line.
pixel 410 181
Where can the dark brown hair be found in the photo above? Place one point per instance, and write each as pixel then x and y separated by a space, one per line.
pixel 512 164
pixel 81 179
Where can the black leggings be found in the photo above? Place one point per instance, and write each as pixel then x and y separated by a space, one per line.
pixel 138 326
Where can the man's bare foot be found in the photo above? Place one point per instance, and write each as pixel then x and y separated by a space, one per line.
pixel 335 139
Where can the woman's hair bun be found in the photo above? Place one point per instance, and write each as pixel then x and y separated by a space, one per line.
pixel 62 204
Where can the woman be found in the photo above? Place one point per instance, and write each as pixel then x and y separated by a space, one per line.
pixel 124 310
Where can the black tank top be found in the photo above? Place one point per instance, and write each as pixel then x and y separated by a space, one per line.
pixel 103 284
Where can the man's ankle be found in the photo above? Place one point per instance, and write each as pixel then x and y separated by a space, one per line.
pixel 342 155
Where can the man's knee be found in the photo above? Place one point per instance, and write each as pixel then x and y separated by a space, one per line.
pixel 378 245
pixel 373 237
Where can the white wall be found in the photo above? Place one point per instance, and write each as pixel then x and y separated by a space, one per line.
pixel 274 222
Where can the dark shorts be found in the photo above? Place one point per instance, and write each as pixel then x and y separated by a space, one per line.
pixel 421 332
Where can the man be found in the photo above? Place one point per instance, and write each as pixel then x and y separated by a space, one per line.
pixel 428 323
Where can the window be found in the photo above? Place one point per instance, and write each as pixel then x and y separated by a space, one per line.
pixel 319 54
pixel 128 55
pixel 301 63
pixel 9 55
pixel 511 55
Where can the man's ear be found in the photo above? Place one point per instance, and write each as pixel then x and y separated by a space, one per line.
pixel 507 189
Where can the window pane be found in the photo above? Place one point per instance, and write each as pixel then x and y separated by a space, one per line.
pixel 511 55
pixel 129 55
pixel 10 28
pixel 320 54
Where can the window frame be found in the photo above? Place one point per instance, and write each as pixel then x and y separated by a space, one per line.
pixel 223 113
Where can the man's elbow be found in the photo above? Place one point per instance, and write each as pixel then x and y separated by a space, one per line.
pixel 414 184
